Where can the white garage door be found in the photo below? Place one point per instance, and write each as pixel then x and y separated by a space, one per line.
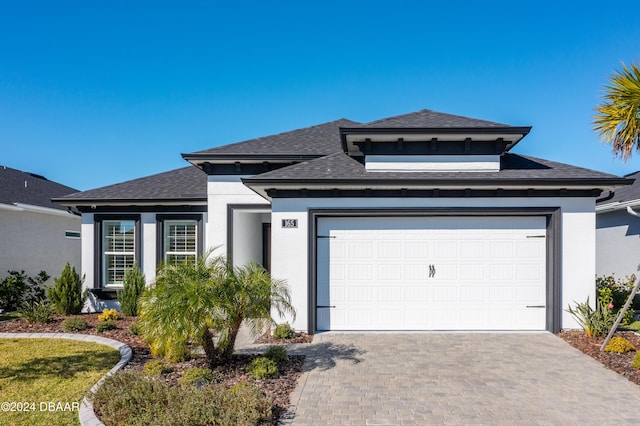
pixel 439 273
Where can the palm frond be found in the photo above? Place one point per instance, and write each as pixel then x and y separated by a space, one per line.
pixel 618 117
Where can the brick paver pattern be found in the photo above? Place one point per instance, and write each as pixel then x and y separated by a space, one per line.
pixel 456 378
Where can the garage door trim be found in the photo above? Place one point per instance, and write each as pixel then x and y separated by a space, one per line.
pixel 552 214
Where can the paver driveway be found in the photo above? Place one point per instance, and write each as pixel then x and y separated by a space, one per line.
pixel 457 378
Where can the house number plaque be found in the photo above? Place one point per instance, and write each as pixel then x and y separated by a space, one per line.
pixel 289 223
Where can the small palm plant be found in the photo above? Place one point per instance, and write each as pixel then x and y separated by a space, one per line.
pixel 192 301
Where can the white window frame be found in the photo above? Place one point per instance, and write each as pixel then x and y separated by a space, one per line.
pixel 125 253
pixel 167 223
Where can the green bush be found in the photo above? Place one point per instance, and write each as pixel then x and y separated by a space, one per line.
pixel 635 362
pixel 276 354
pixel 155 368
pixel 134 328
pixel 262 368
pixel 18 288
pixel 130 398
pixel 36 312
pixel 283 332
pixel 133 285
pixel 74 324
pixel 620 289
pixel 619 345
pixel 106 325
pixel 192 376
pixel 595 322
pixel 66 294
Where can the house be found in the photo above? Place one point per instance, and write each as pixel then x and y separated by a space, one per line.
pixel 35 233
pixel 423 221
pixel 618 230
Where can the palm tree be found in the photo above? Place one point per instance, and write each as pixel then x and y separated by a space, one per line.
pixel 618 119
pixel 205 302
pixel 249 293
pixel 181 307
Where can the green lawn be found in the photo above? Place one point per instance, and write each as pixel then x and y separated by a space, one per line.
pixel 34 373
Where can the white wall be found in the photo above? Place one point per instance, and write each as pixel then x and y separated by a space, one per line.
pixel 290 246
pixel 222 191
pixel 617 244
pixel 35 241
pixel 247 236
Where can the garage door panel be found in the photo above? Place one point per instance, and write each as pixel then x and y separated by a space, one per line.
pixel 432 274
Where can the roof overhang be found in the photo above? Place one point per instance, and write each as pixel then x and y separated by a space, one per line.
pixel 591 187
pixel 85 202
pixel 618 205
pixel 20 207
pixel 507 136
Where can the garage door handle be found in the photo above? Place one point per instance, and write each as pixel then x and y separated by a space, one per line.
pixel 432 271
pixel 325 306
pixel 536 306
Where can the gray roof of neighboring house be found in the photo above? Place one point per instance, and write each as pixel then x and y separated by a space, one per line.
pixel 340 168
pixel 185 184
pixel 318 140
pixel 626 193
pixel 425 119
pixel 17 186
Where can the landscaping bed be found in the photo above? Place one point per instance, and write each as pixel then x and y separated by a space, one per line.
pixel 229 374
pixel 620 363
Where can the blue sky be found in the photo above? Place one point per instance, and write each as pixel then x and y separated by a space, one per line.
pixel 95 93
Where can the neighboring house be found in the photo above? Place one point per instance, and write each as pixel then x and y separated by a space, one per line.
pixel 618 230
pixel 424 221
pixel 35 233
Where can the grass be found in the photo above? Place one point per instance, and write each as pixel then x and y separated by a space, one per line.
pixel 9 316
pixel 41 371
pixel 634 326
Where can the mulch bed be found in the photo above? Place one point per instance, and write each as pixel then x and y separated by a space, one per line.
pixel 620 363
pixel 231 373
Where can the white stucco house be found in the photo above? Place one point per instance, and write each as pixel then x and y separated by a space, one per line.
pixel 423 221
pixel 618 230
pixel 35 233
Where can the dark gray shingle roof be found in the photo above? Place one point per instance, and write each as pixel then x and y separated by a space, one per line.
pixel 429 119
pixel 187 183
pixel 339 167
pixel 38 191
pixel 318 140
pixel 625 193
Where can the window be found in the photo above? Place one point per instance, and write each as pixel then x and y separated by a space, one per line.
pixel 180 240
pixel 180 237
pixel 118 250
pixel 74 235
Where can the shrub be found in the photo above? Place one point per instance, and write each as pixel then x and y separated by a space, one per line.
pixel 106 325
pixel 619 345
pixel 133 399
pixel 276 354
pixel 18 288
pixel 134 328
pixel 155 368
pixel 74 324
pixel 36 311
pixel 620 289
pixel 133 285
pixel 109 315
pixel 262 368
pixel 284 331
pixel 595 322
pixel 635 362
pixel 193 376
pixel 66 294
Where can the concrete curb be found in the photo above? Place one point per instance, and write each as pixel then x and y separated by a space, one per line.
pixel 86 414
